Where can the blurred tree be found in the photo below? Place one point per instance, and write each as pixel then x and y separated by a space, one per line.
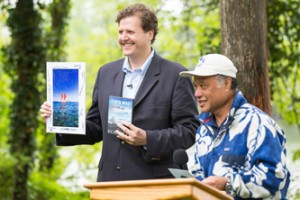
pixel 55 42
pixel 284 57
pixel 24 60
pixel 284 61
pixel 244 40
pixel 186 32
pixel 6 94
pixel 25 55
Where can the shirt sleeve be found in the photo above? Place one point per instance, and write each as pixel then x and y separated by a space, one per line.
pixel 268 175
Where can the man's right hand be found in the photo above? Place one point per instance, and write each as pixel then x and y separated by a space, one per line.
pixel 45 110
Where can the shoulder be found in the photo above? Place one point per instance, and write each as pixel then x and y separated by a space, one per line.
pixel 112 66
pixel 255 113
pixel 257 120
pixel 168 65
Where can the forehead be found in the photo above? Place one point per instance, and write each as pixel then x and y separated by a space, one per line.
pixel 131 21
pixel 204 79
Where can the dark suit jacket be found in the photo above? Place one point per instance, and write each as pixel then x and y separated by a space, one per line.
pixel 164 107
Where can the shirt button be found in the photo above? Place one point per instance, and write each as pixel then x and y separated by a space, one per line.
pixel 123 142
pixel 118 168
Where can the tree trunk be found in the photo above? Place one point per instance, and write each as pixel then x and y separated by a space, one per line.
pixel 55 40
pixel 244 41
pixel 25 57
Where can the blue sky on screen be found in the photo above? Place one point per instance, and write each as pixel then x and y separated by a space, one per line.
pixel 65 81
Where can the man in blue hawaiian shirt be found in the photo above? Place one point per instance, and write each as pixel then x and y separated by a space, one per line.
pixel 239 148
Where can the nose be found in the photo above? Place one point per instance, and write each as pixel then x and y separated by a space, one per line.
pixel 198 92
pixel 123 36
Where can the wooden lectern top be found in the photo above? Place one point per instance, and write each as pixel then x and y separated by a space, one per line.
pixel 185 188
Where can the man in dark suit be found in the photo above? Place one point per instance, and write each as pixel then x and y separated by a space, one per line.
pixel 164 106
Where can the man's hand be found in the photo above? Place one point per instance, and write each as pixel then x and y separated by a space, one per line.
pixel 131 134
pixel 218 182
pixel 45 110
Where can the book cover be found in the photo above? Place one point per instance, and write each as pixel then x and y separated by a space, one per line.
pixel 180 173
pixel 66 94
pixel 119 110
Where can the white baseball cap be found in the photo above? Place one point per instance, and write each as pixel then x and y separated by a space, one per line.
pixel 212 64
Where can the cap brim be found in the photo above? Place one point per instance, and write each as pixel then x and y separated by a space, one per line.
pixel 196 73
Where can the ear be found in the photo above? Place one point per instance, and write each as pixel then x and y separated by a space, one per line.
pixel 150 35
pixel 228 82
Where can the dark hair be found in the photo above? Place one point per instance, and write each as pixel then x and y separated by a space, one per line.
pixel 148 17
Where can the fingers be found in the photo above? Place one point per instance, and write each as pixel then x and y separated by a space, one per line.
pixel 131 134
pixel 45 110
pixel 126 133
pixel 127 126
pixel 123 132
pixel 216 181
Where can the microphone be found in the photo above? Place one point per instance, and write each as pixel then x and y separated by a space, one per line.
pixel 129 86
pixel 180 158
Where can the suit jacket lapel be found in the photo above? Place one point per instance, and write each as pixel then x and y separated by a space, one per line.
pixel 150 79
pixel 118 82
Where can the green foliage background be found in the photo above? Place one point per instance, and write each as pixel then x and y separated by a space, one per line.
pixel 284 40
pixel 183 37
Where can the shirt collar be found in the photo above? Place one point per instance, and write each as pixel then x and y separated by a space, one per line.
pixel 143 68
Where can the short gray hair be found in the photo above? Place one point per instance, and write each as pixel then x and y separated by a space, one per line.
pixel 221 81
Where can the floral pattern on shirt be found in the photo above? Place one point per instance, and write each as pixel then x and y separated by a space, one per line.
pixel 249 146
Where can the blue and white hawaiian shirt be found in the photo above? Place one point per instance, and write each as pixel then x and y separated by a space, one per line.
pixel 249 147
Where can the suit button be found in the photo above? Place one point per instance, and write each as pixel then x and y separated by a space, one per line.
pixel 154 158
pixel 123 142
pixel 118 168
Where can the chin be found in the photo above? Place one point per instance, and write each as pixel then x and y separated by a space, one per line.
pixel 127 53
pixel 203 109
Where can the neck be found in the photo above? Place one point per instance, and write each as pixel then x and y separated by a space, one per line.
pixel 137 61
pixel 219 120
pixel 222 113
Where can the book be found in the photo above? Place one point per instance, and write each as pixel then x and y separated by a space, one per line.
pixel 66 94
pixel 180 173
pixel 119 110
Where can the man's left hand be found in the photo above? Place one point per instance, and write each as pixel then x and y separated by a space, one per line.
pixel 131 134
pixel 218 182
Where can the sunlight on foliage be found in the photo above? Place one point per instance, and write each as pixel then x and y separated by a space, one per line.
pixel 43 188
pixel 187 31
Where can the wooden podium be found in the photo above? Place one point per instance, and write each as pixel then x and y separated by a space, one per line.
pixel 184 189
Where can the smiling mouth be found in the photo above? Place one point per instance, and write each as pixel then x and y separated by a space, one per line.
pixel 127 44
pixel 201 103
